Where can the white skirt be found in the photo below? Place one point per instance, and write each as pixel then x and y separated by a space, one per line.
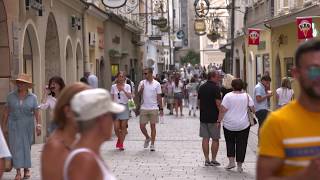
pixel 4 150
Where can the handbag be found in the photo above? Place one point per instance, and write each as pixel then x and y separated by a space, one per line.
pixel 7 164
pixel 253 120
pixel 131 104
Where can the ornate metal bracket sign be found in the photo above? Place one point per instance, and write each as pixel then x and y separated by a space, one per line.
pixel 201 7
pixel 114 3
pixel 161 22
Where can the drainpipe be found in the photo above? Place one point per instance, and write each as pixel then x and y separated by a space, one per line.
pixel 85 40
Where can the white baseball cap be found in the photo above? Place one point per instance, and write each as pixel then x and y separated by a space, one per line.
pixel 91 103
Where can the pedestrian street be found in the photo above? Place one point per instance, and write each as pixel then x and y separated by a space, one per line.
pixel 178 155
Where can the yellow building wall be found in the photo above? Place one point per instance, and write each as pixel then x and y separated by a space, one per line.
pixel 252 52
pixel 284 45
pixel 95 52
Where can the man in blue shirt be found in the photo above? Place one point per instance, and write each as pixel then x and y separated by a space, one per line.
pixel 261 96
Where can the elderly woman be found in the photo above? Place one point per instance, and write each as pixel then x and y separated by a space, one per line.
pixel 236 126
pixel 94 111
pixel 61 140
pixel 20 116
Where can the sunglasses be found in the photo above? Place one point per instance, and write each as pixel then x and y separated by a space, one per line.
pixel 314 73
pixel 119 95
pixel 145 73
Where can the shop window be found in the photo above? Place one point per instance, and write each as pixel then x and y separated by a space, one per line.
pixel 288 66
pixel 259 68
pixel 114 70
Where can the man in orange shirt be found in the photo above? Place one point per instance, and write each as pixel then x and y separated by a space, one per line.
pixel 290 138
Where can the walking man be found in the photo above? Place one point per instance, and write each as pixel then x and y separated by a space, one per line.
pixel 290 139
pixel 210 100
pixel 151 105
pixel 92 79
pixel 261 96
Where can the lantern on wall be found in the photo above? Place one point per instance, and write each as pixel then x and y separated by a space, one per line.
pixel 200 27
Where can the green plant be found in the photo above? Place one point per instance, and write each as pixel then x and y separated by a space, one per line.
pixel 191 57
pixel 114 53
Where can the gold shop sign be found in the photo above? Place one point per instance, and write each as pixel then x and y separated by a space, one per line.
pixel 200 26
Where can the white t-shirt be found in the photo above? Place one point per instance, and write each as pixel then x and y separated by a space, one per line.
pixel 285 96
pixel 149 95
pixel 236 118
pixel 50 103
pixel 178 89
pixel 116 94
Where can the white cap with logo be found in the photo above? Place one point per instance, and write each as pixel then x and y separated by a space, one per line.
pixel 91 103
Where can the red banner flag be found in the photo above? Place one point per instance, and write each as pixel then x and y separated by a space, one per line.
pixel 304 26
pixel 254 37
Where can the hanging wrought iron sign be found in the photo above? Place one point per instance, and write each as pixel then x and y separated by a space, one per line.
pixel 129 7
pixel 180 34
pixel 201 7
pixel 161 22
pixel 164 29
pixel 200 27
pixel 114 3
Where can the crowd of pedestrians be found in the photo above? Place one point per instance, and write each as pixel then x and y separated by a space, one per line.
pixel 83 117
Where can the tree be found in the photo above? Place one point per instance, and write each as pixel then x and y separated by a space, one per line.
pixel 191 57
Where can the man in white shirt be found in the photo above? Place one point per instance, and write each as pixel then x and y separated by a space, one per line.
pixel 150 91
pixel 92 79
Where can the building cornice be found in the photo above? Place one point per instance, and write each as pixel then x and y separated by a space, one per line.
pixel 313 10
pixel 75 5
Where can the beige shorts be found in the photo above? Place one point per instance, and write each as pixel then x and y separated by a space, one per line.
pixel 151 116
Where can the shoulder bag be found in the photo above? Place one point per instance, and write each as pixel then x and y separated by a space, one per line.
pixel 251 116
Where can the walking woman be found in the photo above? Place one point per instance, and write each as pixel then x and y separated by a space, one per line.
pixel 121 93
pixel 284 93
pixel 193 96
pixel 63 137
pixel 178 94
pixel 51 93
pixel 234 116
pixel 21 116
pixel 94 112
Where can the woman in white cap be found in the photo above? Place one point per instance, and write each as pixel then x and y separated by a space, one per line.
pixel 61 141
pixel 94 111
pixel 21 116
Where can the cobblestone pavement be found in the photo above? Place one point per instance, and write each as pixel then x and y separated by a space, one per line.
pixel 178 155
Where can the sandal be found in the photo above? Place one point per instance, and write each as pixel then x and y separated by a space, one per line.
pixel 18 176
pixel 26 174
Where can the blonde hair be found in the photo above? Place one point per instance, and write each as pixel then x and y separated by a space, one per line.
pixel 64 100
pixel 227 80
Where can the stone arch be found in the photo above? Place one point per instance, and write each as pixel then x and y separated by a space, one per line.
pixel 52 49
pixel 5 53
pixel 79 61
pixel 30 55
pixel 69 62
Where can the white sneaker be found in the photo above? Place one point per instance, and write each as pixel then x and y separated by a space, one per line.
pixel 239 169
pixel 146 143
pixel 152 148
pixel 230 166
